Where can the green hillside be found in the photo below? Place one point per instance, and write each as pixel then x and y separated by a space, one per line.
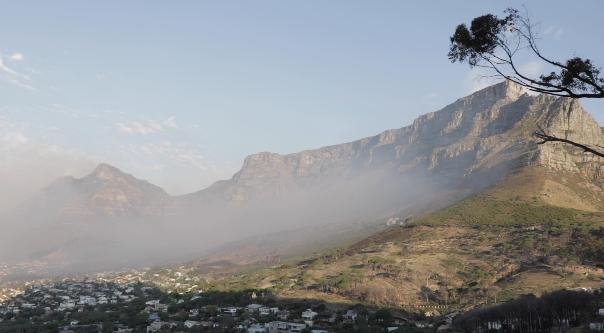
pixel 487 248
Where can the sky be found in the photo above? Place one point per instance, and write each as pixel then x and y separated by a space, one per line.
pixel 178 93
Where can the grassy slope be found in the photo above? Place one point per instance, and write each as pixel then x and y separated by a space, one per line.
pixel 518 237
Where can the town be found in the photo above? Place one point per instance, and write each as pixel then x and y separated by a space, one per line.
pixel 99 305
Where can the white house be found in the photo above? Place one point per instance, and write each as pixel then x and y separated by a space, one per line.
pixel 230 310
pixel 308 317
pixel 191 323
pixel 257 328
pixel 596 326
pixel 254 307
pixel 351 315
pixel 309 314
pixel 284 327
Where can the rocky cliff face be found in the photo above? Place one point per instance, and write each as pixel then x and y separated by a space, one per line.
pixel 484 134
pixel 467 145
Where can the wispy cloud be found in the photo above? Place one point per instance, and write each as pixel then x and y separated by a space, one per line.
pixel 135 127
pixel 17 56
pixel 172 153
pixel 179 167
pixel 147 126
pixel 554 32
pixel 171 122
pixel 12 76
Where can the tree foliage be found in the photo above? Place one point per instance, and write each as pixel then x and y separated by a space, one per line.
pixel 495 43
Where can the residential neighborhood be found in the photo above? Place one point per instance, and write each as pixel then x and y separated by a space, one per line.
pixel 128 305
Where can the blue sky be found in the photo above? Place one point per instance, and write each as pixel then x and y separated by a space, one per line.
pixel 180 92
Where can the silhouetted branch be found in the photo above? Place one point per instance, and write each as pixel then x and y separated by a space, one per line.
pixel 494 42
pixel 541 134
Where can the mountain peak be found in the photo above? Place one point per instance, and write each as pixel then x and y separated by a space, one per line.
pixel 106 171
pixel 503 90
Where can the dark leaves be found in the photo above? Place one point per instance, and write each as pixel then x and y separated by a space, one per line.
pixel 493 42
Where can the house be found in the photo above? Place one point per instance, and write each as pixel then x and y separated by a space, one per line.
pixel 308 317
pixel 230 310
pixel 283 315
pixel 158 325
pixel 119 328
pixel 87 300
pixel 596 326
pixel 254 307
pixel 309 314
pixel 350 315
pixel 66 306
pixel 191 323
pixel 257 328
pixel 285 327
pixel 264 311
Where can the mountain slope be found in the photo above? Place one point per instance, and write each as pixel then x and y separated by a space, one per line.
pixel 440 159
pixel 492 246
pixel 477 137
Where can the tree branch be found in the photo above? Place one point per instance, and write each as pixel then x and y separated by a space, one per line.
pixel 550 138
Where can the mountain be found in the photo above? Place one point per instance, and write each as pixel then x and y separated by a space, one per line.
pixel 329 193
pixel 476 143
pixel 83 223
pixel 488 131
pixel 491 247
pixel 106 193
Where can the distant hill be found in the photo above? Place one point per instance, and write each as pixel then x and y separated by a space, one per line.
pixel 319 198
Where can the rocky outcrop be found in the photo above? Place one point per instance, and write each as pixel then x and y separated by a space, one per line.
pixel 484 134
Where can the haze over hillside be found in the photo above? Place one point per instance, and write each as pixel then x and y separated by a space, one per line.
pixel 110 219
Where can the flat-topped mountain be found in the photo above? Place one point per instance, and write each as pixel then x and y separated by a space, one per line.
pixel 438 160
pixel 477 139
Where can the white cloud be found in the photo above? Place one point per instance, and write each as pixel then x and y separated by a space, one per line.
pixel 147 126
pixel 553 31
pixel 135 127
pixel 13 77
pixel 171 153
pixel 171 123
pixel 176 166
pixel 16 56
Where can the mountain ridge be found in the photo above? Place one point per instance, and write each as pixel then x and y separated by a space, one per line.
pixel 438 160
